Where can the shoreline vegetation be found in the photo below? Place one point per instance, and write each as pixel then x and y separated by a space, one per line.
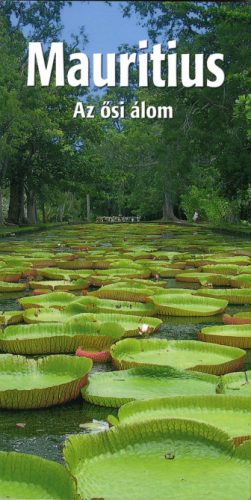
pixel 231 229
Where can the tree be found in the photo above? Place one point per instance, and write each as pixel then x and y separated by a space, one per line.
pixel 204 131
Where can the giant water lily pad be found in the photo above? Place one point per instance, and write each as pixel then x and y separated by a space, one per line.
pixel 221 260
pixel 58 274
pixel 55 338
pixel 188 305
pixel 133 325
pixel 158 283
pixel 241 281
pixel 163 271
pixel 229 413
pixel 181 354
pixel 174 291
pixel 11 317
pixel 59 300
pixel 242 318
pixel 117 388
pixel 103 280
pixel 203 278
pixel 24 476
pixel 233 335
pixel 238 383
pixel 44 315
pixel 75 264
pixel 28 383
pixel 234 295
pixel 94 304
pixel 10 275
pixel 245 270
pixel 229 269
pixel 123 263
pixel 127 291
pixel 170 458
pixel 168 256
pixel 79 284
pixel 12 287
pixel 139 272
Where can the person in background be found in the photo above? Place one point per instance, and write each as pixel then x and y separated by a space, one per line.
pixel 196 216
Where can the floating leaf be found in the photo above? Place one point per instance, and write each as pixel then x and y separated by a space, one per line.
pixel 181 354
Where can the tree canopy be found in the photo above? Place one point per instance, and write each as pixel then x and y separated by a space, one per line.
pixel 157 168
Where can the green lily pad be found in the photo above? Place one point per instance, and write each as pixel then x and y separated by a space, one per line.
pixel 94 304
pixel 168 256
pixel 127 291
pixel 24 476
pixel 28 383
pixel 228 269
pixel 174 291
pixel 58 274
pixel 233 295
pixel 242 318
pixel 58 300
pixel 11 287
pixel 123 263
pixel 202 278
pixel 75 264
pixel 79 284
pixel 13 261
pixel 43 338
pixel 233 335
pixel 99 281
pixel 133 325
pixel 228 413
pixel 140 272
pixel 241 281
pixel 245 270
pixel 10 275
pixel 148 283
pixel 224 260
pixel 117 388
pixel 170 458
pixel 44 315
pixel 238 383
pixel 11 317
pixel 163 271
pixel 181 354
pixel 188 305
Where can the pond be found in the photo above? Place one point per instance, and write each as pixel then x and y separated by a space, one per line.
pixel 45 430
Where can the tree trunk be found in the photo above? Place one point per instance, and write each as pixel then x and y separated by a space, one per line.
pixel 44 213
pixel 168 208
pixel 1 207
pixel 88 207
pixel 16 204
pixel 31 208
pixel 61 212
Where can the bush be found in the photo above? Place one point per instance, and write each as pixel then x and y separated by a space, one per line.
pixel 212 207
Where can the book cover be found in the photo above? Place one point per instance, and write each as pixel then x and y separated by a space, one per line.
pixel 125 250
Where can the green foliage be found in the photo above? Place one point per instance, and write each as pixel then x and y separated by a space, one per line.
pixel 212 207
pixel 209 128
pixel 243 107
pixel 198 160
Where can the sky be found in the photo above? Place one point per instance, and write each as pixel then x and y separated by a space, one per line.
pixel 105 26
